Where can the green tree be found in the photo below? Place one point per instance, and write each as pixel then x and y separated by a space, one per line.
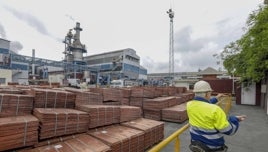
pixel 248 56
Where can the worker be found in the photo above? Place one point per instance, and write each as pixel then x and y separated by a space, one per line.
pixel 208 122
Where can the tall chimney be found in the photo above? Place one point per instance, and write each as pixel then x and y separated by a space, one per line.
pixel 33 61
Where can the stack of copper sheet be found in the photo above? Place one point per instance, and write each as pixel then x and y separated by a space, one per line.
pixel 136 101
pixel 128 113
pixel 18 131
pixel 137 92
pixel 158 91
pixel 120 138
pixel 58 122
pixel 172 91
pixel 179 100
pixel 181 90
pixel 115 103
pixel 176 113
pixel 101 115
pixel 14 105
pixel 88 98
pixel 112 94
pixel 164 91
pixel 154 130
pixel 73 90
pixel 125 101
pixel 10 90
pixel 188 95
pixel 183 97
pixel 149 92
pixel 152 107
pixel 96 90
pixel 80 143
pixel 49 98
pixel 126 92
pixel 159 103
pixel 49 141
pixel 152 114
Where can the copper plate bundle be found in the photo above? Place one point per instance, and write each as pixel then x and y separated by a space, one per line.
pixel 49 98
pixel 80 143
pixel 120 138
pixel 128 113
pixel 101 115
pixel 154 130
pixel 18 131
pixel 176 113
pixel 58 122
pixel 15 105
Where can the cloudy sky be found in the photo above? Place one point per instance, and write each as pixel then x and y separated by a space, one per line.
pixel 201 28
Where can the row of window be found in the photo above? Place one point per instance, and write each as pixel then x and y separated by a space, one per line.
pixel 132 58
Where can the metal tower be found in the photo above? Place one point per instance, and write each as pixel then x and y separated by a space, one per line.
pixel 73 52
pixel 171 44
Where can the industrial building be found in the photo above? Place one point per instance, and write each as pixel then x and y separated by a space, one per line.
pixel 100 68
pixel 121 64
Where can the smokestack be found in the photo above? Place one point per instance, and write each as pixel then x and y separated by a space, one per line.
pixel 33 61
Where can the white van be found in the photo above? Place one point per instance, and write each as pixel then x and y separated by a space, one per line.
pixel 117 84
pixel 74 83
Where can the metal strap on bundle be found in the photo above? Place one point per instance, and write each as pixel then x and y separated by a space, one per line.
pixel 121 143
pixel 77 124
pixel 56 124
pixel 151 130
pixel 66 122
pixel 55 99
pixel 105 115
pixel 18 102
pixel 2 97
pixel 113 116
pixel 87 145
pixel 98 113
pixel 69 146
pixel 65 100
pixel 25 131
pixel 137 136
pixel 46 100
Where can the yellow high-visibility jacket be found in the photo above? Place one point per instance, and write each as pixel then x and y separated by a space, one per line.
pixel 208 123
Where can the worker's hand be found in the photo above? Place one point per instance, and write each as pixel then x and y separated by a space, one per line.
pixel 241 118
pixel 220 95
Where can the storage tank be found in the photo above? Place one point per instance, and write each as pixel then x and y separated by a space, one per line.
pixel 77 55
pixel 86 74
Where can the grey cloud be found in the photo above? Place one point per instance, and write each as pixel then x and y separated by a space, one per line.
pixel 184 43
pixel 153 66
pixel 70 17
pixel 2 31
pixel 29 19
pixel 227 33
pixel 16 46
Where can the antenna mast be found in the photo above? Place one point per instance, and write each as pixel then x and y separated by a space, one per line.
pixel 171 44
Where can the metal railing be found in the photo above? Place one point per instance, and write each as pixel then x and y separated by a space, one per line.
pixel 224 102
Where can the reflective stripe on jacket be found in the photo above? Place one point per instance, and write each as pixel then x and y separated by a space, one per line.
pixel 208 123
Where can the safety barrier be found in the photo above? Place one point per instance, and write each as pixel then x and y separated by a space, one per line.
pixel 225 103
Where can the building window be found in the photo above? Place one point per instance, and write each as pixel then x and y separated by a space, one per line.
pixel 2 80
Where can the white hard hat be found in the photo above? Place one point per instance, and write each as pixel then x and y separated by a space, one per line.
pixel 202 86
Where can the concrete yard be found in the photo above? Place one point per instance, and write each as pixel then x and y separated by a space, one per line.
pixel 252 135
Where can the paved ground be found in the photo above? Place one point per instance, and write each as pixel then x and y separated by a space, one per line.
pixel 252 135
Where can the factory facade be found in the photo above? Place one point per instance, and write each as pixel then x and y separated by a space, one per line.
pixel 99 68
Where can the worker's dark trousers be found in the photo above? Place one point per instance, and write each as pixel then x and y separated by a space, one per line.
pixel 199 147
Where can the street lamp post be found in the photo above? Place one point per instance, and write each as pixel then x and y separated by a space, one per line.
pixel 233 91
